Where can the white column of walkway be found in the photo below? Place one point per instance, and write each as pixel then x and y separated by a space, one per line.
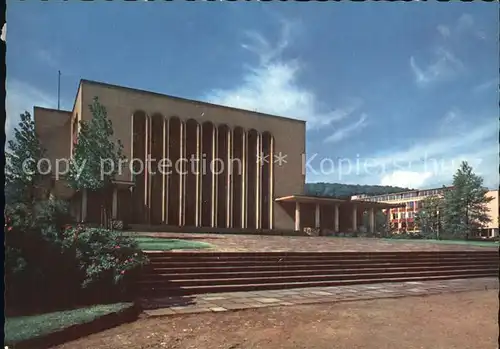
pixel 317 223
pixel 297 216
pixel 300 200
pixel 336 218
pixel 372 220
pixel 355 218
pixel 317 216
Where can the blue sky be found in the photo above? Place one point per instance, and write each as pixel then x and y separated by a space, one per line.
pixel 393 93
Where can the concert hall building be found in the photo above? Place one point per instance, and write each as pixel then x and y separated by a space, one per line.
pixel 192 164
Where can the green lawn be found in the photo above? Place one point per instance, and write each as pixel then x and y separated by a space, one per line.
pixel 26 327
pixel 452 242
pixel 159 244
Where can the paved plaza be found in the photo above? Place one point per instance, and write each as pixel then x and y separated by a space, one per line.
pixel 268 243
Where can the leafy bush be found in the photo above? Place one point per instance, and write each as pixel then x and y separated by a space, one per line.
pixel 105 258
pixel 41 254
pixel 41 218
pixel 64 263
pixel 51 216
pixel 31 231
pixel 14 260
pixel 33 247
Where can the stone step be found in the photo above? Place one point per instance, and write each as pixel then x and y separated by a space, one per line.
pixel 345 254
pixel 242 263
pixel 229 268
pixel 200 272
pixel 262 279
pixel 157 275
pixel 192 290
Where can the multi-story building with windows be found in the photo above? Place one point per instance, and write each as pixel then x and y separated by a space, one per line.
pixel 403 218
pixel 492 228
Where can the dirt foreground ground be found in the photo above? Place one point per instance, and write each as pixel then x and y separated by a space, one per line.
pixel 447 321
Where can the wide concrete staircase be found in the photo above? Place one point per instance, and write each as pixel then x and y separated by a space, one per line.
pixel 187 273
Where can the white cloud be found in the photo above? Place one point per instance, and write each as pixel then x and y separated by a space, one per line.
pixel 445 65
pixel 465 21
pixel 433 161
pixel 489 85
pixel 450 116
pixel 427 162
pixel 347 131
pixel 444 30
pixel 23 97
pixel 406 179
pixel 452 121
pixel 263 49
pixel 48 57
pixel 448 145
pixel 271 86
pixel 481 34
pixel 464 25
pixel 348 108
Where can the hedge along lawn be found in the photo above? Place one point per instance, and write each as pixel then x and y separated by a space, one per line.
pixel 21 328
pixel 449 242
pixel 159 244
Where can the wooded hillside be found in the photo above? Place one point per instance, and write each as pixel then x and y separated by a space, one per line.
pixel 347 190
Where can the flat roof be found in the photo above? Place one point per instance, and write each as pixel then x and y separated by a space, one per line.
pixel 52 109
pixel 308 198
pixel 333 200
pixel 85 81
pixel 410 191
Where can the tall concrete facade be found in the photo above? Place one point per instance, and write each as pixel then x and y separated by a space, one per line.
pixel 189 163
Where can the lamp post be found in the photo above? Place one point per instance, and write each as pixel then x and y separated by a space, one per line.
pixel 438 225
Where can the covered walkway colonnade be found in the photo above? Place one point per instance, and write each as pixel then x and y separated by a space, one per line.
pixel 332 214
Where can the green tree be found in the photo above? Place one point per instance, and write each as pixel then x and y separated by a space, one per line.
pixel 24 152
pixel 33 219
pixel 428 218
pixel 28 206
pixel 97 158
pixel 465 205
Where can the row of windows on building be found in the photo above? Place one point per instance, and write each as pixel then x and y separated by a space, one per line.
pixel 415 204
pixel 411 205
pixel 413 194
